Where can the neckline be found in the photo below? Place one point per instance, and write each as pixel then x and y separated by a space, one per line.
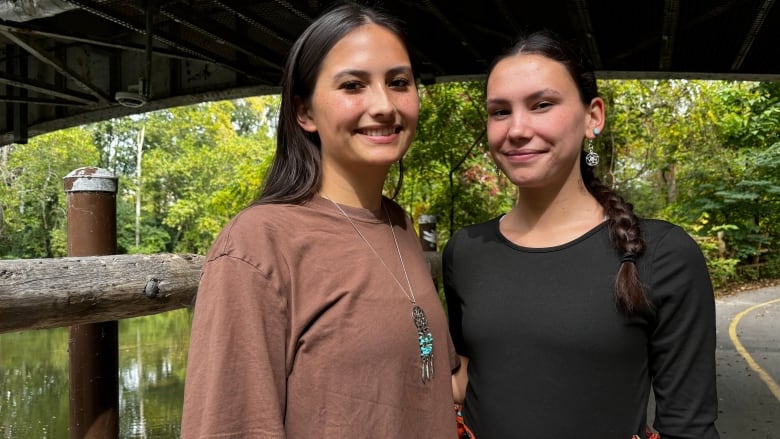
pixel 356 213
pixel 497 229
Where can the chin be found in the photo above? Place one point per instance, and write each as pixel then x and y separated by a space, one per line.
pixel 386 157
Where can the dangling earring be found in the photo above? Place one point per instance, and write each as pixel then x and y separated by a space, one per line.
pixel 592 159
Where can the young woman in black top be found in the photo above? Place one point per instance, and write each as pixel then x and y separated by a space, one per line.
pixel 569 309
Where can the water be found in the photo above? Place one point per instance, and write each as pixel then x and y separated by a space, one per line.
pixel 152 363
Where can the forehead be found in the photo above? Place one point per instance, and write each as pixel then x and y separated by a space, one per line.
pixel 366 44
pixel 529 71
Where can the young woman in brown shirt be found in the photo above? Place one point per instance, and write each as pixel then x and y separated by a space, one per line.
pixel 316 316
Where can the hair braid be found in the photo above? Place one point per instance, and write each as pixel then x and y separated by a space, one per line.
pixel 625 235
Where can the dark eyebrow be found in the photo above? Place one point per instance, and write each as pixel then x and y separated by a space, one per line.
pixel 498 101
pixel 351 72
pixel 362 73
pixel 532 97
pixel 545 91
pixel 407 70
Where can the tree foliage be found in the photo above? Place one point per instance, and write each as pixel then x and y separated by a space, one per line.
pixel 32 197
pixel 702 154
pixel 200 165
pixel 448 171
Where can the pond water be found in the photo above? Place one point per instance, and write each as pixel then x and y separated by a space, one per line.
pixel 152 362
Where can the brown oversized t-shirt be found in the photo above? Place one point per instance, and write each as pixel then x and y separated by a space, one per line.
pixel 300 332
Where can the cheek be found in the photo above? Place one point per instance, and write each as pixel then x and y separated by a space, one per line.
pixel 409 106
pixel 496 134
pixel 343 107
pixel 335 108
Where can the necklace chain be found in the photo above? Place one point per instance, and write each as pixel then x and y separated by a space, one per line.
pixel 424 335
pixel 410 294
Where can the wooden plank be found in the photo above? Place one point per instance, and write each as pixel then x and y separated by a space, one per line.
pixel 49 293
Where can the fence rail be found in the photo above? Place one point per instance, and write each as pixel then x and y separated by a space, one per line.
pixel 51 293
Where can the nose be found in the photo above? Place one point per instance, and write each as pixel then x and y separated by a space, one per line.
pixel 381 103
pixel 519 127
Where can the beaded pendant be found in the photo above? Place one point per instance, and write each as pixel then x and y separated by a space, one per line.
pixel 425 340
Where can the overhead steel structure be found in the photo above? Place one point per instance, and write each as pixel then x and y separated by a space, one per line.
pixel 71 62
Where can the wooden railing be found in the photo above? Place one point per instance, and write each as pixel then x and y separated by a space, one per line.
pixel 90 294
pixel 50 293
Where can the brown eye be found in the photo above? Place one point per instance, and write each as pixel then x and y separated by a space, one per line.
pixel 543 105
pixel 498 113
pixel 400 83
pixel 351 85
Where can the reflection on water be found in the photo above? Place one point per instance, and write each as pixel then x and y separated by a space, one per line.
pixel 152 362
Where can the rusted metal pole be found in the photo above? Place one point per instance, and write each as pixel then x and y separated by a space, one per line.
pixel 93 348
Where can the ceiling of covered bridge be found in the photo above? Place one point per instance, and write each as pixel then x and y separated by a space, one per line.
pixel 66 63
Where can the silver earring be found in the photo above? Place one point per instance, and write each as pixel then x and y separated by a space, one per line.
pixel 592 159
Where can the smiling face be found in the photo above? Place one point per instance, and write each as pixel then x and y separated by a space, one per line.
pixel 364 106
pixel 537 121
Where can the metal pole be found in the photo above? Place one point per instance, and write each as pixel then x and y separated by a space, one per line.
pixel 93 348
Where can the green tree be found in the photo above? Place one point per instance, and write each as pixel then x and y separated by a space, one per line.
pixel 204 177
pixel 32 200
pixel 448 172
pixel 653 129
pixel 200 165
pixel 700 154
pixel 745 194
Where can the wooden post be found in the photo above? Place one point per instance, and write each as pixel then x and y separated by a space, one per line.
pixel 428 237
pixel 93 348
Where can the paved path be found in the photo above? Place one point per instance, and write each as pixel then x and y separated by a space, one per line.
pixel 748 361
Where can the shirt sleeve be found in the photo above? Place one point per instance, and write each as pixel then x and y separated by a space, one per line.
pixel 682 344
pixel 236 374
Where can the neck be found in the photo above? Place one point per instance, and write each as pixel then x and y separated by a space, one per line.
pixel 543 217
pixel 558 210
pixel 364 191
pixel 570 195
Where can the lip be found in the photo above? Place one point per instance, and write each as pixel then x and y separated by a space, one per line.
pixel 380 134
pixel 521 155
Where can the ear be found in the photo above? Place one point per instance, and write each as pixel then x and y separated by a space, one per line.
pixel 596 117
pixel 303 115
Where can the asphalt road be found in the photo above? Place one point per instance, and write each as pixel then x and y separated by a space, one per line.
pixel 748 364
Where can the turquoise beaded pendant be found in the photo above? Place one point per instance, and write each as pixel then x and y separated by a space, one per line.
pixel 425 339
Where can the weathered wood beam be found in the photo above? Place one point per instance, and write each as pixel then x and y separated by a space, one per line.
pixel 50 293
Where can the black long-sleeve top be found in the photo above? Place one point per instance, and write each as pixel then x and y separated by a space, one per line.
pixel 552 357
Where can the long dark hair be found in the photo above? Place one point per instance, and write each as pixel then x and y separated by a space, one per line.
pixel 622 222
pixel 295 172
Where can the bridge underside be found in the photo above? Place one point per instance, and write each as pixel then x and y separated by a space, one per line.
pixel 66 63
